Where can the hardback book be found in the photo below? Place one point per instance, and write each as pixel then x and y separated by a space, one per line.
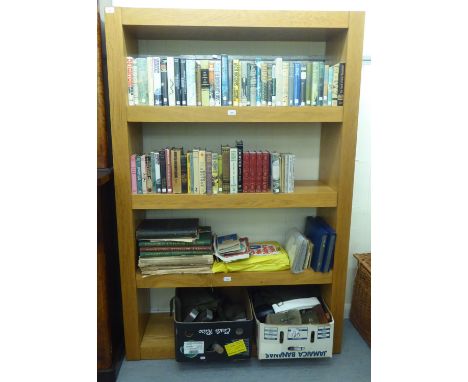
pixel 133 173
pixel 167 228
pixel 204 239
pixel 150 71
pixel 142 81
pixel 258 73
pixel 336 72
pixel 220 173
pixel 162 166
pixel 279 81
pixel 157 172
pixel 282 180
pixel 176 173
pixel 143 174
pixel 233 170
pixel 265 171
pixel 149 178
pixel 252 68
pixel 264 82
pixel 202 170
pixel 320 83
pixel 325 84
pixel 153 170
pixel 217 83
pixel 183 82
pixel 245 171
pixel 309 84
pixel 292 159
pixel 297 83
pixel 273 85
pixel 275 172
pixel 189 173
pixel 225 152
pixel 229 82
pixel 259 171
pixel 214 173
pixel 341 79
pixel 317 234
pixel 129 81
pixel 285 83
pixel 178 97
pixel 157 81
pixel 235 82
pixel 240 150
pixel 205 83
pixel 196 171
pixel 135 82
pixel 184 173
pixel 209 175
pixel 167 153
pixel 243 79
pixel 291 84
pixel 171 85
pixel 148 263
pixel 269 84
pixel 253 171
pixel 198 82
pixel 224 80
pixel 164 84
pixel 302 98
pixel 211 80
pixel 330 247
pixel 191 83
pixel 315 77
pixel 330 84
pixel 287 163
pixel 138 174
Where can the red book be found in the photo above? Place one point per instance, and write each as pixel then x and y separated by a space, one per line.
pixel 253 170
pixel 167 152
pixel 259 175
pixel 266 171
pixel 245 171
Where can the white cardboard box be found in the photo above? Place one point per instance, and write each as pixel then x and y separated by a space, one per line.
pixel 295 341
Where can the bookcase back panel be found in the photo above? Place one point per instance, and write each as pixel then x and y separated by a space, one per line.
pixel 300 139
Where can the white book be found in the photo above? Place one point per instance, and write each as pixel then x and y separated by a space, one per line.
pixel 279 81
pixel 202 170
pixel 292 159
pixel 130 80
pixel 157 80
pixel 143 174
pixel 233 170
pixel 285 80
pixel 196 172
pixel 170 81
pixel 217 79
pixel 336 70
pixel 135 82
pixel 149 70
pixel 191 83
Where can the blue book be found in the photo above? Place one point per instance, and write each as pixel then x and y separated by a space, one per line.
pixel 318 235
pixel 224 80
pixel 297 83
pixel 138 174
pixel 258 72
pixel 330 248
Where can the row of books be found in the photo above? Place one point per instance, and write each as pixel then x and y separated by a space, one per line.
pixel 323 238
pixel 230 81
pixel 198 171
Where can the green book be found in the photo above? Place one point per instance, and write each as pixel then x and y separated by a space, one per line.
pixel 178 253
pixel 204 238
pixel 142 81
pixel 309 84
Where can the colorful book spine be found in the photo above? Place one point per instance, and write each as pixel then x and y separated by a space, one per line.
pixel 336 71
pixel 233 170
pixel 325 84
pixel 245 171
pixel 258 73
pixel 225 152
pixel 330 85
pixel 205 83
pixel 264 79
pixel 142 81
pixel 164 84
pixel 341 80
pixel 291 84
pixel 209 174
pixel 275 172
pixel 214 173
pixel 194 248
pixel 189 173
pixel 320 83
pixel 133 173
pixel 297 83
pixel 135 81
pixel 171 86
pixel 162 163
pixel 153 170
pixel 183 82
pixel 315 76
pixel 309 84
pixel 259 171
pixel 224 80
pixel 184 173
pixel 279 81
pixel 198 82
pixel 217 83
pixel 302 98
pixel 157 172
pixel 202 170
pixel 149 175
pixel 240 150
pixel 167 154
pixel 178 97
pixel 253 84
pixel 143 174
pixel 138 174
pixel 285 84
pixel 243 83
pixel 265 171
pixel 235 83
pixel 211 80
pixel 150 71
pixel 176 174
pixel 196 171
pixel 269 84
pixel 229 81
pixel 220 173
pixel 253 171
pixel 131 102
pixel 157 81
pixel 191 84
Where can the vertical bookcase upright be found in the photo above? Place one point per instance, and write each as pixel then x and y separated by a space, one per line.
pixel 150 335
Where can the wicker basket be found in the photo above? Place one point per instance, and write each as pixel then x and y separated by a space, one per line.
pixel 360 314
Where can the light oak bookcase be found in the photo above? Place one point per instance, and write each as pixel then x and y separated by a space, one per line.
pixel 150 336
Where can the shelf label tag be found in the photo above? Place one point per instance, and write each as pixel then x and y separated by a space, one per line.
pixel 109 9
pixel 232 112
pixel 227 278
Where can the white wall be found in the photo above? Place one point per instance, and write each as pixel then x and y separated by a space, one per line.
pixel 360 239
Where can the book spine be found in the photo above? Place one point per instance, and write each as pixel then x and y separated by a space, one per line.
pixel 264 79
pixel 279 81
pixel 205 83
pixel 135 81
pixel 292 160
pixel 183 82
pixel 138 174
pixel 265 171
pixel 269 84
pixel 291 84
pixel 157 81
pixel 302 98
pixel 173 170
pixel 233 170
pixel 142 82
pixel 178 253
pixel 275 173
pixel 240 150
pixel 164 84
pixel 330 85
pixel 176 249
pixel 297 84
pixel 157 172
pixel 224 80
pixel 171 85
pixel 259 172
pixel 309 84
pixel 167 153
pixel 217 82
pixel 252 171
pixel 214 173
pixel 209 174
pixel 198 83
pixel 243 86
pixel 150 71
pixel 183 173
pixel 341 79
pixel 202 169
pixel 196 171
pixel 130 80
pixel 225 152
pixel 285 100
pixel 220 173
pixel 325 84
pixel 253 84
pixel 189 173
pixel 153 170
pixel 149 178
pixel 258 74
pixel 336 70
pixel 315 76
pixel 229 81
pixel 176 171
pixel 191 84
pixel 273 85
pixel 133 173
pixel 178 97
pixel 143 174
pixel 235 83
pixel 211 80
pixel 162 163
pixel 320 83
pixel 157 244
pixel 245 171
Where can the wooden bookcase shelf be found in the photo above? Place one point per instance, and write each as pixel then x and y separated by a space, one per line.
pixel 150 336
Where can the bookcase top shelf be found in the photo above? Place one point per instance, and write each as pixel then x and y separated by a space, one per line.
pixel 233 279
pixel 280 114
pixel 308 193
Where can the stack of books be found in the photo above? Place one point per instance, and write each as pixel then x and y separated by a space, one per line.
pixel 199 171
pixel 229 248
pixel 168 246
pixel 234 81
pixel 323 237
